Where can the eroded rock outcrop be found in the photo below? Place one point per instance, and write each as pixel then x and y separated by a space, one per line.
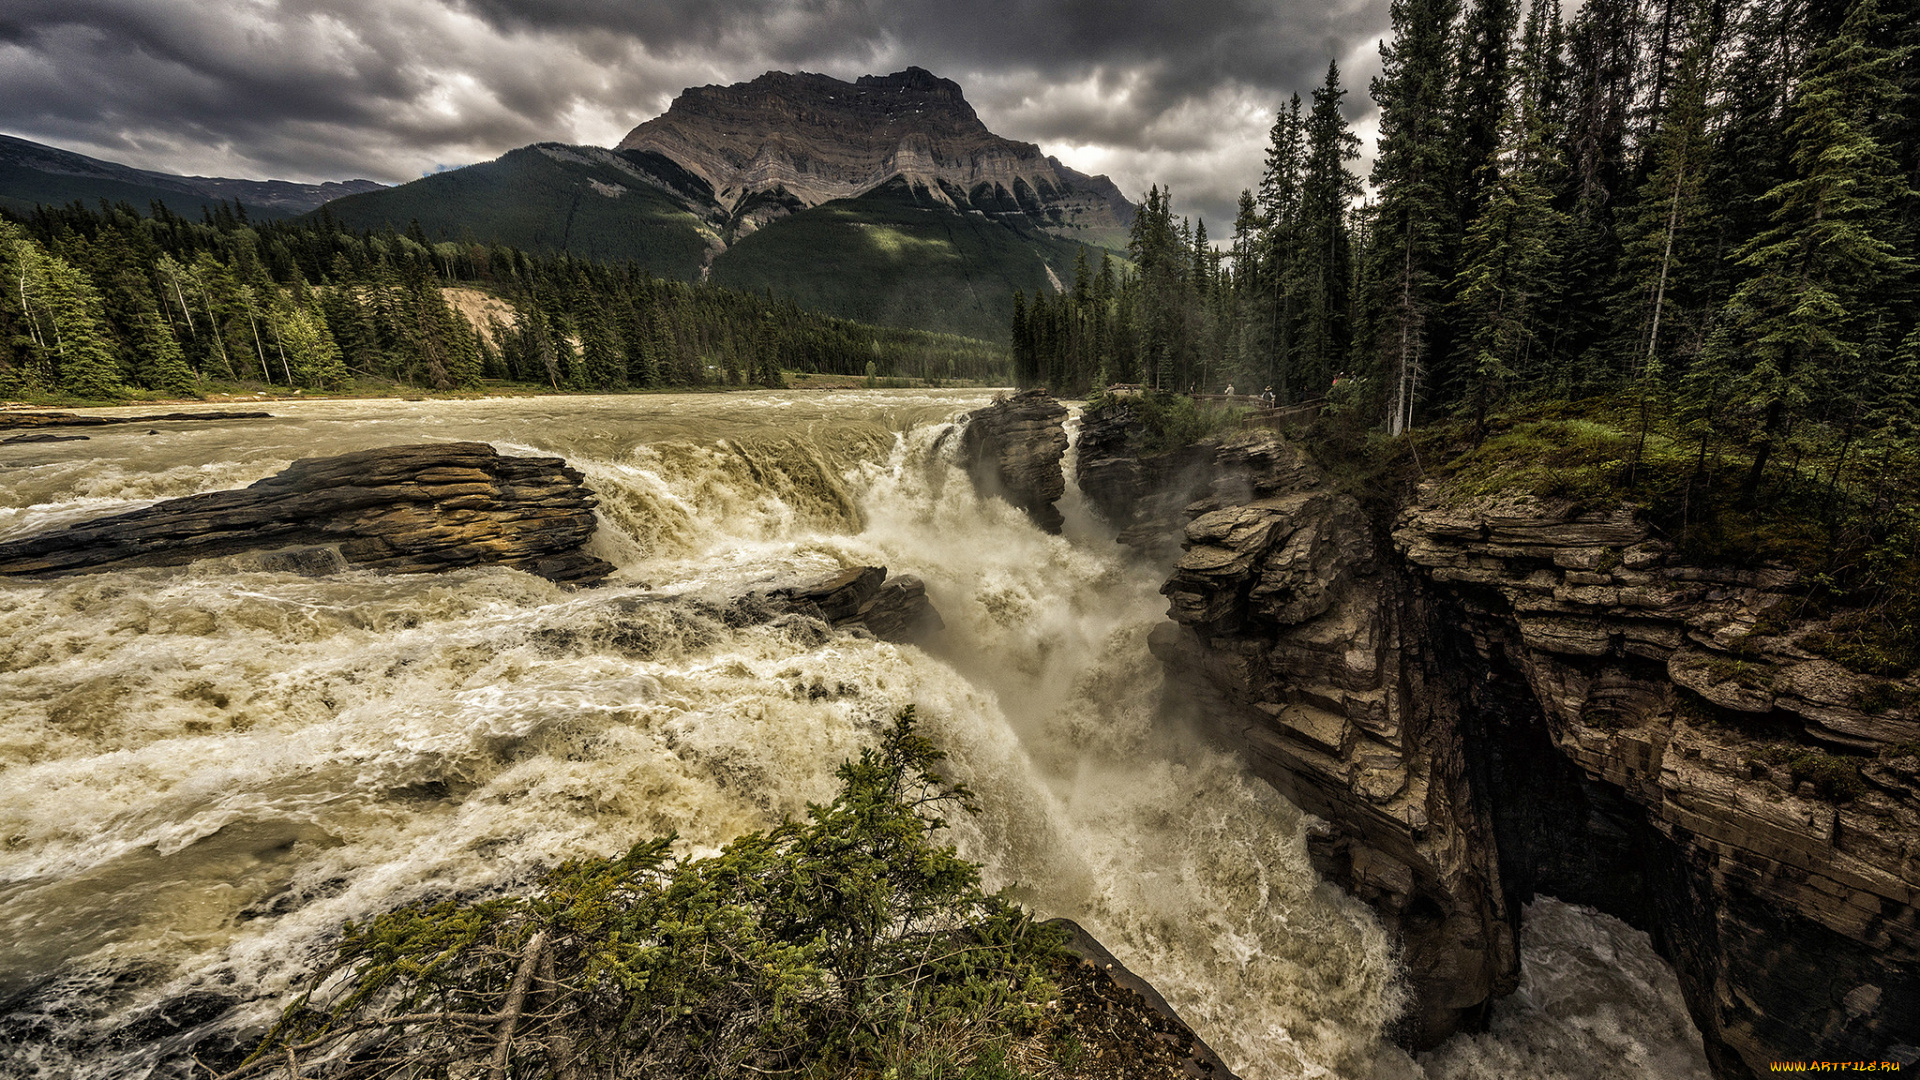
pixel 1143 494
pixel 1488 701
pixel 864 597
pixel 407 509
pixel 1014 448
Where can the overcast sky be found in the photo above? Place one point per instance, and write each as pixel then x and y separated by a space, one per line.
pixel 1179 94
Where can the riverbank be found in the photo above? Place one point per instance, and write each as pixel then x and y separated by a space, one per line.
pixel 228 393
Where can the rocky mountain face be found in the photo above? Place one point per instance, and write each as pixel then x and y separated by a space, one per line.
pixel 783 143
pixel 31 173
pixel 1484 701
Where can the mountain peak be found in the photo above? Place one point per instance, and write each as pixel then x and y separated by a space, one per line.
pixel 810 138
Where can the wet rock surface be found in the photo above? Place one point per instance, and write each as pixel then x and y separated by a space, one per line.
pixel 863 597
pixel 41 437
pixel 1129 1030
pixel 1489 701
pixel 1014 448
pixel 407 509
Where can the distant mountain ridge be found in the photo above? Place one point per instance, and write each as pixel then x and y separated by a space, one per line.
pixel 813 138
pixel 32 173
pixel 885 200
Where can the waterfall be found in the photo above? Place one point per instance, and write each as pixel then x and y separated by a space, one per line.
pixel 210 768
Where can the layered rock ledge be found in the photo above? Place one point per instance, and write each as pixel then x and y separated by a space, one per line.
pixel 1014 448
pixel 406 509
pixel 1487 701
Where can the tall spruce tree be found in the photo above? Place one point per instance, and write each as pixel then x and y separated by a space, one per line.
pixel 1662 257
pixel 1327 190
pixel 1278 303
pixel 1817 278
pixel 1406 261
pixel 1511 251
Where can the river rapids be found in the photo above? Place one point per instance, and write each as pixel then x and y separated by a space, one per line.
pixel 205 770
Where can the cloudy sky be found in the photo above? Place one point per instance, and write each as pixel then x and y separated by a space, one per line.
pixel 1146 91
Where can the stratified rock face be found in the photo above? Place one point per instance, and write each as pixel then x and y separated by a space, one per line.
pixel 1508 699
pixel 1014 448
pixel 1149 497
pixel 1633 730
pixel 1291 636
pixel 811 138
pixel 406 509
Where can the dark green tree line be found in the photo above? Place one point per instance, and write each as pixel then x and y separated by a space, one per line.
pixel 102 303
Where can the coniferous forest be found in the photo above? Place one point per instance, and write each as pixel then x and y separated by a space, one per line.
pixel 102 303
pixel 1710 203
pixel 1659 253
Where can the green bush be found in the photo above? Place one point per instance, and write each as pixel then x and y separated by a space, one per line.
pixel 1168 422
pixel 848 943
pixel 1834 778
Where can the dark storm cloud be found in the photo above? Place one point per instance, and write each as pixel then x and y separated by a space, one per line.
pixel 1148 92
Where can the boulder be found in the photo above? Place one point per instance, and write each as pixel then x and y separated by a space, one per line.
pixel 407 509
pixel 862 597
pixel 1013 449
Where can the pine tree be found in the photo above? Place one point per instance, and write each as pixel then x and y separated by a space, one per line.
pixel 1662 253
pixel 1406 263
pixel 1815 277
pixel 311 353
pixel 603 359
pixel 1327 189
pixel 87 367
pixel 159 363
pixel 1509 256
pixel 1277 308
pixel 1481 82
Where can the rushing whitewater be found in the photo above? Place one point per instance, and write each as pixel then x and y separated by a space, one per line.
pixel 208 769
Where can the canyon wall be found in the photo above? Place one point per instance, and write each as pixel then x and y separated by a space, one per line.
pixel 1484 701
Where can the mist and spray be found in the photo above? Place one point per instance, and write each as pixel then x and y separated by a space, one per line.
pixel 210 768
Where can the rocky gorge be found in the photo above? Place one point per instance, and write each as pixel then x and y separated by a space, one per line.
pixel 1485 700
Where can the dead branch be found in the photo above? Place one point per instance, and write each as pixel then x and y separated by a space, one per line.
pixel 516 998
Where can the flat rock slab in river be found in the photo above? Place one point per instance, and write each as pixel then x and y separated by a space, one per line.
pixel 42 436
pixel 407 509
pixel 62 419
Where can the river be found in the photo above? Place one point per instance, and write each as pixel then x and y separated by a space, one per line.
pixel 205 770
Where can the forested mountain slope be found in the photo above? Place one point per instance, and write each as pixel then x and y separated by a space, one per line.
pixel 885 200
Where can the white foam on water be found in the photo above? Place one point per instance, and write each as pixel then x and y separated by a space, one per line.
pixel 210 768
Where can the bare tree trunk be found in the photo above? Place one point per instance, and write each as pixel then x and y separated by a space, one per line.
pixel 265 371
